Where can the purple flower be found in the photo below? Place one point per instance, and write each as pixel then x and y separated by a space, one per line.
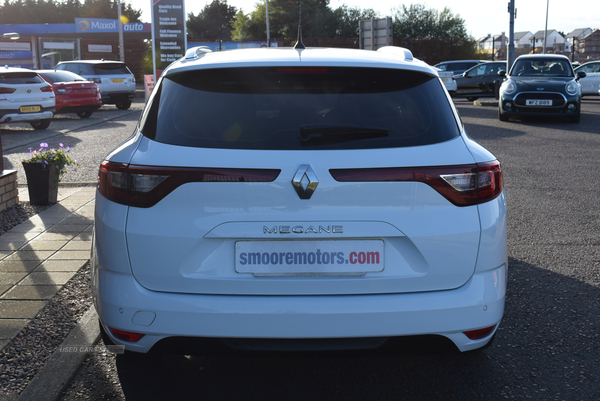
pixel 61 145
pixel 57 167
pixel 68 149
pixel 76 161
pixel 46 161
pixel 43 145
pixel 30 149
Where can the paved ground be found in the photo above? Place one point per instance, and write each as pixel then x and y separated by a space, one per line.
pixel 40 255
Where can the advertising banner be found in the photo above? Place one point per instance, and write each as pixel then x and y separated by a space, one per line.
pixel 103 25
pixel 169 39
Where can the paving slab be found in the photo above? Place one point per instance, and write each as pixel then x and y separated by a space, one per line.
pixel 32 292
pixel 10 309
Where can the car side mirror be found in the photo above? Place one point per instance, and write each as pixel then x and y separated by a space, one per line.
pixel 581 74
pixel 502 73
pixel 465 74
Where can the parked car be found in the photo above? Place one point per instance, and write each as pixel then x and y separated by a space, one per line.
pixel 480 81
pixel 590 84
pixel 458 66
pixel 74 94
pixel 541 85
pixel 447 78
pixel 25 97
pixel 269 200
pixel 115 80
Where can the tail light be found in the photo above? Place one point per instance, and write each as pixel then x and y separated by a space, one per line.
pixel 480 333
pixel 464 185
pixel 46 89
pixel 125 335
pixel 7 90
pixel 145 186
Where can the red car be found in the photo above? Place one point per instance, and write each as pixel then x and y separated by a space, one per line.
pixel 74 94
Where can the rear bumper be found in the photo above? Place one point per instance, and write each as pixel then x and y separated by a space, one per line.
pixel 117 97
pixel 125 305
pixel 78 108
pixel 15 117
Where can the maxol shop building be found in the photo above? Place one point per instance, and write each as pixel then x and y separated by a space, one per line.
pixel 42 46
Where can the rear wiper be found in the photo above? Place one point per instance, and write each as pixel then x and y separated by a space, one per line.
pixel 324 134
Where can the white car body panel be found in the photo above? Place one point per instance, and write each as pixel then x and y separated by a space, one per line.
pixel 169 270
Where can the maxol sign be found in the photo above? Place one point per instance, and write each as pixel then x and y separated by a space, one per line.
pixel 102 25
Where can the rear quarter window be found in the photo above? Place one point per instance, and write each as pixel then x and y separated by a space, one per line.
pixel 299 108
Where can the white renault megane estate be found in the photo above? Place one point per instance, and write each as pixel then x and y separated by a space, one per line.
pixel 299 199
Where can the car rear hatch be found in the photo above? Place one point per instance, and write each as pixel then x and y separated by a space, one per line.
pixel 24 87
pixel 79 90
pixel 302 210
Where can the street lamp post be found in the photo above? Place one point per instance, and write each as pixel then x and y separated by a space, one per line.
pixel 546 28
pixel 121 47
pixel 268 33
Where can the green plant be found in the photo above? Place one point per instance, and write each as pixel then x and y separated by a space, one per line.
pixel 53 158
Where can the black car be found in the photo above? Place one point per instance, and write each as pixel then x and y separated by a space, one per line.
pixel 480 81
pixel 541 85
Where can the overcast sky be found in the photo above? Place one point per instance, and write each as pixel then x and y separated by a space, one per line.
pixel 481 17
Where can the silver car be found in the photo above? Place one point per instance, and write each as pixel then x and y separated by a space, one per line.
pixel 116 81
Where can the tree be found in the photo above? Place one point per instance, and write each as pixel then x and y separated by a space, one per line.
pixel 417 21
pixel 348 20
pixel 213 22
pixel 64 12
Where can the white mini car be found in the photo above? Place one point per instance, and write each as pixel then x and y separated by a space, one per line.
pixel 285 199
pixel 25 97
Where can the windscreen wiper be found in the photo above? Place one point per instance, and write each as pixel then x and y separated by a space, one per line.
pixel 329 133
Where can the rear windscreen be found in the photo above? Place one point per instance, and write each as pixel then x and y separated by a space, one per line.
pixel 289 108
pixel 20 78
pixel 111 69
pixel 62 76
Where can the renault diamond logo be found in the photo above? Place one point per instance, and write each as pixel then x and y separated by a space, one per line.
pixel 305 181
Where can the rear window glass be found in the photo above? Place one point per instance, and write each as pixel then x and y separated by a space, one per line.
pixel 299 108
pixel 111 69
pixel 20 78
pixel 62 76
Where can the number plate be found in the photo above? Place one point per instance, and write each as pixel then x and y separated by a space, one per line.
pixel 445 79
pixel 538 102
pixel 117 80
pixel 302 258
pixel 30 109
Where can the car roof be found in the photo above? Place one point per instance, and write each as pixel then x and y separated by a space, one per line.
pixel 14 69
pixel 387 57
pixel 548 56
pixel 92 62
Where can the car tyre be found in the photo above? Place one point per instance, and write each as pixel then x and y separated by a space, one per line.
pixel 40 125
pixel 124 105
pixel 472 99
pixel 502 116
pixel 84 114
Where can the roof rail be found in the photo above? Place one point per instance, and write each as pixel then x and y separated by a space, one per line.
pixel 402 52
pixel 197 52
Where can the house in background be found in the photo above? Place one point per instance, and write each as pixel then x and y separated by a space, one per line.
pixel 523 40
pixel 589 47
pixel 575 36
pixel 555 42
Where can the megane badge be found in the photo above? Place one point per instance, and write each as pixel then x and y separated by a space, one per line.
pixel 305 181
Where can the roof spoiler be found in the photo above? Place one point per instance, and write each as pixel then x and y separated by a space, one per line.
pixel 197 52
pixel 401 52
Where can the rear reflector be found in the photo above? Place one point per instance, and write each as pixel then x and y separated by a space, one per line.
pixel 463 185
pixel 145 186
pixel 481 333
pixel 125 335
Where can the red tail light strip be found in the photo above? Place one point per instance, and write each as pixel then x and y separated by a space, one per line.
pixel 144 186
pixel 485 179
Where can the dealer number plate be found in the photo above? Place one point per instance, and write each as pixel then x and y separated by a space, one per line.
pixel 117 80
pixel 29 109
pixel 538 102
pixel 302 258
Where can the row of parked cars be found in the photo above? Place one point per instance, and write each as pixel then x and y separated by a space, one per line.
pixel 535 85
pixel 80 87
